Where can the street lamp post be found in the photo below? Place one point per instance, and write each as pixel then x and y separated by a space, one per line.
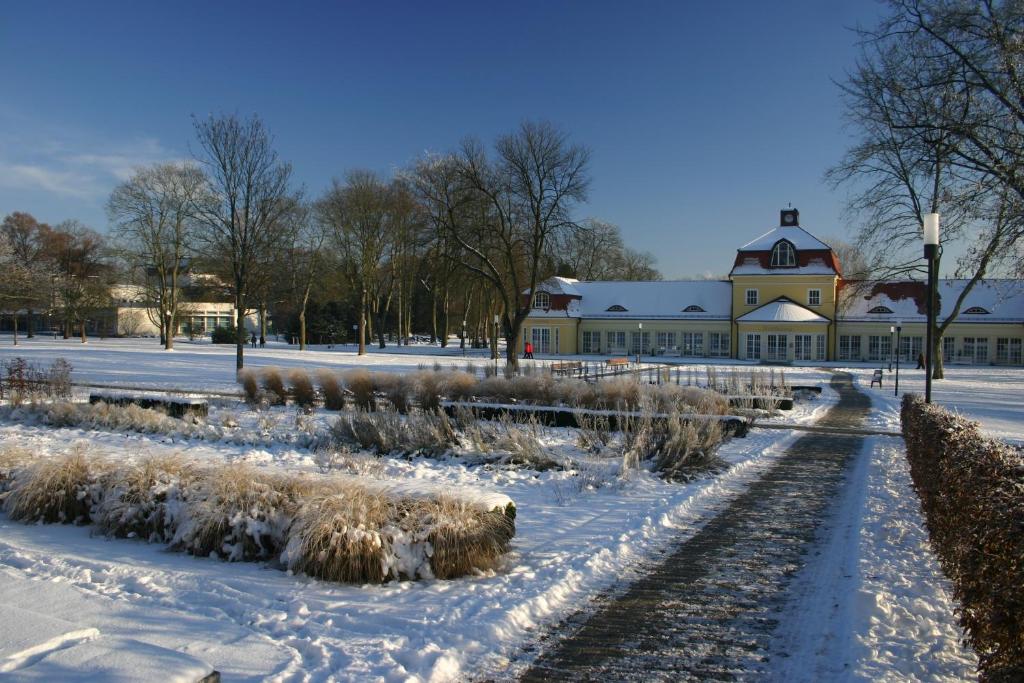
pixel 463 338
pixel 892 333
pixel 639 341
pixel 494 353
pixel 899 327
pixel 931 248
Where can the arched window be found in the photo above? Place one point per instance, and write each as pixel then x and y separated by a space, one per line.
pixel 542 300
pixel 783 255
pixel 976 310
pixel 694 308
pixel 880 309
pixel 616 309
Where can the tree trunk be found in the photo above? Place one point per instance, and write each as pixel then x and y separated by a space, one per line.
pixel 362 322
pixel 14 326
pixel 938 367
pixel 239 332
pixel 83 331
pixel 29 332
pixel 169 331
pixel 67 328
pixel 433 318
pixel 444 318
pixel 263 323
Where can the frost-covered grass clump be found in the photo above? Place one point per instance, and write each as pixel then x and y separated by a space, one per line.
pixel 335 528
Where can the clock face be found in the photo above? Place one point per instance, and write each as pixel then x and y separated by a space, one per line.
pixel 789 218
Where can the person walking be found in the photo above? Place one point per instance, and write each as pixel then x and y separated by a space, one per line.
pixel 252 340
pixel 920 361
pixel 529 350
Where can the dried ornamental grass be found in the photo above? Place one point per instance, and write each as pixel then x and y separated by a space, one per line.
pixel 330 385
pixel 302 392
pixel 273 386
pixel 250 385
pixel 398 389
pixel 464 539
pixel 137 497
pixel 460 386
pixel 361 384
pixel 12 459
pixel 58 489
pixel 428 387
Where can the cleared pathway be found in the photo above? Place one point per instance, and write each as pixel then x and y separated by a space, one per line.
pixel 706 612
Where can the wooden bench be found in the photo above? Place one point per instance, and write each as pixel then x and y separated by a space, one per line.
pixel 617 362
pixel 567 368
pixel 877 377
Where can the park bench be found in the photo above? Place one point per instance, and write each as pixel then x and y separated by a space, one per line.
pixel 877 377
pixel 566 368
pixel 617 362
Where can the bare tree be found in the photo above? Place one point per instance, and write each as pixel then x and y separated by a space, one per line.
pixel 152 215
pixel 357 214
pixel 246 199
pixel 25 241
pixel 504 213
pixel 596 251
pixel 306 260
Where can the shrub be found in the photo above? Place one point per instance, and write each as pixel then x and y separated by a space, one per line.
pixel 12 459
pixel 972 494
pixel 684 448
pixel 135 496
pixel 60 379
pixel 495 389
pixel 464 538
pixel 330 385
pixel 360 383
pixel 427 388
pixel 387 432
pixel 57 489
pixel 460 386
pixel 224 335
pixel 273 386
pixel 250 386
pixel 303 392
pixel 398 390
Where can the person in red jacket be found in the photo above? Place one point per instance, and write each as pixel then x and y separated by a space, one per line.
pixel 529 350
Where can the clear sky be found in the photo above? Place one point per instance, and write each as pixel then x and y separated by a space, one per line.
pixel 703 118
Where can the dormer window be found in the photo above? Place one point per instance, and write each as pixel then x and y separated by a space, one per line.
pixel 783 255
pixel 976 310
pixel 616 309
pixel 693 309
pixel 542 300
pixel 880 310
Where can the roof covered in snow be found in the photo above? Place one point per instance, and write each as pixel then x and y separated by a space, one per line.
pixel 797 236
pixel 990 301
pixel 782 310
pixel 559 285
pixel 753 266
pixel 668 299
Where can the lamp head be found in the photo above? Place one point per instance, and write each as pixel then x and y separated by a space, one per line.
pixel 931 229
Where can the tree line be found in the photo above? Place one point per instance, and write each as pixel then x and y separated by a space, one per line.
pixel 450 243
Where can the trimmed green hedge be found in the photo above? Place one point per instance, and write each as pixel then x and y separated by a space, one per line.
pixel 972 493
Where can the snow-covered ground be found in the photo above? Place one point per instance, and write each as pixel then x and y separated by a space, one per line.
pixel 889 613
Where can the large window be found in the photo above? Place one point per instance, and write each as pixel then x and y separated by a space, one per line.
pixel 981 349
pixel 849 347
pixel 819 352
pixel 802 347
pixel 640 342
pixel 948 349
pixel 751 297
pixel 666 340
pixel 693 343
pixel 718 344
pixel 1015 351
pixel 542 300
pixel 616 342
pixel 879 347
pixel 591 342
pixel 541 338
pixel 813 297
pixel 783 255
pixel 753 346
pixel 910 348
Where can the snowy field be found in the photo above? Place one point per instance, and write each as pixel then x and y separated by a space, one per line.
pixel 578 532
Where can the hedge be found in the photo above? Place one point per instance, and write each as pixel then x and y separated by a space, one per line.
pixel 972 494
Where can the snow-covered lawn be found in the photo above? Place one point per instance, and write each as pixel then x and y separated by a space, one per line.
pixel 578 532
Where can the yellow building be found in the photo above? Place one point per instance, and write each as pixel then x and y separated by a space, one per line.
pixel 785 301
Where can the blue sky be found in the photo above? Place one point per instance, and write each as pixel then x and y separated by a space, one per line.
pixel 704 119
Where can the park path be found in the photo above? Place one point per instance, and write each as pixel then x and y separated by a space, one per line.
pixel 707 611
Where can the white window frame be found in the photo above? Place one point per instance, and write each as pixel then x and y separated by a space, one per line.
pixel 751 300
pixel 542 300
pixel 814 297
pixel 753 346
pixel 783 251
pixel 819 347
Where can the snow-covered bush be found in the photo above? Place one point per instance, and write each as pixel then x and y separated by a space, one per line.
pixel 428 387
pixel 333 391
pixel 684 448
pixel 302 392
pixel 386 432
pixel 459 386
pixel 12 458
pixel 58 489
pixel 398 389
pixel 136 495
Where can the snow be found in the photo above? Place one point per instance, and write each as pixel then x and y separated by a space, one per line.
pixel 752 266
pixel 874 603
pixel 782 311
pixel 652 300
pixel 1003 299
pixel 797 236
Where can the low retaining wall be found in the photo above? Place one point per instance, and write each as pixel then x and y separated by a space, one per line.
pixel 175 407
pixel 972 494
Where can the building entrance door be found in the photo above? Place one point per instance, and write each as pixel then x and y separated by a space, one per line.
pixel 802 347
